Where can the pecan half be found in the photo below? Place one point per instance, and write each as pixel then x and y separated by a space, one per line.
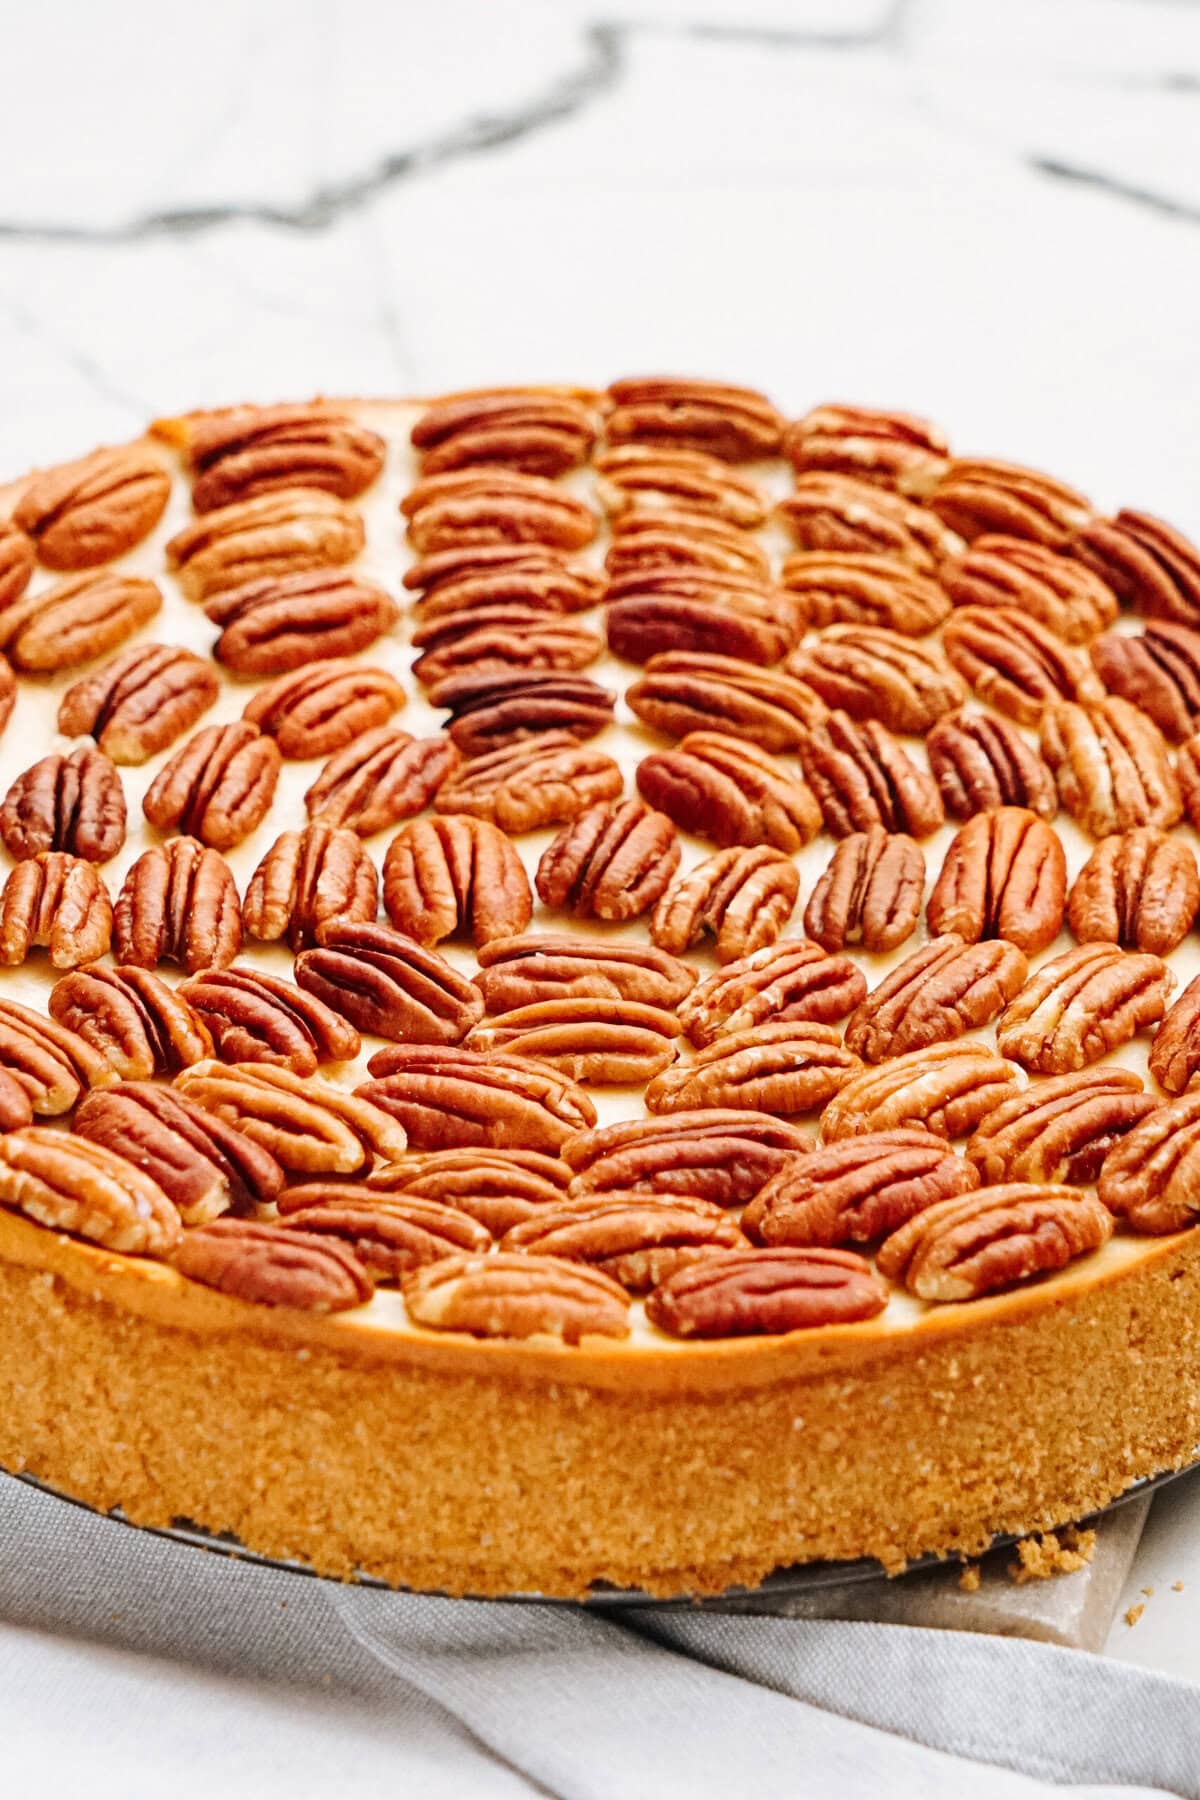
pixel 268 1265
pixel 497 1188
pixel 139 702
pixel 269 627
pixel 869 894
pixel 1158 670
pixel 683 691
pixel 73 803
pixel 863 777
pixel 520 971
pixel 981 762
pixel 477 577
pixel 136 1022
pixel 1061 1129
pixel 218 787
pixel 791 981
pixel 1058 591
pixel 278 533
pixel 1015 663
pixel 68 1184
pixel 179 903
pixel 872 673
pixel 307 879
pixel 998 1236
pixel 324 706
pixel 389 1236
pixel 979 495
pixel 490 708
pixel 1004 875
pixel 1111 766
pixel 730 792
pixel 499 639
pixel 449 1098
pixel 680 611
pixel 612 862
pixel 1149 565
pixel 856 1190
pixel 1151 1179
pixel 491 505
pixel 380 778
pixel 938 993
pixel 789 1067
pixel 610 1043
pixel 736 423
pixel 1175 1052
pixel 636 475
pixel 541 781
pixel 17 562
pixel 639 1239
pixel 388 985
pixel 743 1293
pixel 682 541
pixel 307 1123
pixel 947 1088
pixel 80 619
pixel 744 896
pixel 711 1153
pixel 51 1064
pixel 445 874
pixel 250 450
pixel 517 1297
pixel 888 449
pixel 204 1165
pixel 854 589
pixel 56 902
pixel 829 511
pixel 1139 889
pixel 539 432
pixel 256 1017
pixel 1081 1005
pixel 86 512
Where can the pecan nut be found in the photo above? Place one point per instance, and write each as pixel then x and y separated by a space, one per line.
pixel 639 1239
pixel 1061 1129
pixel 1149 565
pixel 204 1165
pixel 854 589
pixel 51 1064
pixel 218 787
pixel 980 495
pixel 496 1188
pixel 388 1235
pixel 140 701
pixel 684 691
pixel 737 424
pixel 997 1236
pixel 1058 591
pixel 1139 889
pixel 613 862
pixel 69 1184
pixel 1016 664
pixel 57 902
pixel 388 984
pixel 136 1022
pixel 493 505
pixel 856 1190
pixel 282 532
pixel 744 896
pixel 73 803
pixel 490 708
pixel 863 777
pixel 1149 1180
pixel 448 1098
pixel 444 874
pixel 652 542
pixel 1081 1005
pixel 642 475
pixel 540 432
pixel 248 450
pixel 1158 670
pixel 730 792
pixel 179 903
pixel 80 619
pixel 270 627
pixel 540 781
pixel 307 879
pixel 681 612
pixel 940 992
pixel 1004 875
pixel 270 1265
pixel 17 561
pixel 611 1043
pixel 869 894
pixel 520 971
pixel 517 1297
pixel 828 511
pixel 381 778
pixel 980 762
pixel 85 513
pixel 256 1017
pixel 1175 1052
pixel 324 706
pixel 469 576
pixel 887 449
pixel 789 1067
pixel 309 1125
pixel 499 640
pixel 947 1088
pixel 1111 766
pixel 789 981
pixel 743 1293
pixel 713 1153
pixel 873 673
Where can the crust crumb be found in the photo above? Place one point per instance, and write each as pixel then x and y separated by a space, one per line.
pixel 1054 1553
pixel 970 1578
pixel 1149 1592
pixel 1177 1587
pixel 1134 1613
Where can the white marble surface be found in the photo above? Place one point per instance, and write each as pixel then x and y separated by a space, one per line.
pixel 987 212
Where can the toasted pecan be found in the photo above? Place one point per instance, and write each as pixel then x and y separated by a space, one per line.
pixel 270 1265
pixel 380 778
pixel 863 777
pixel 309 1125
pixel 829 511
pixel 1158 670
pixel 1060 1129
pixel 856 1190
pixel 493 505
pixel 792 980
pixel 730 792
pixel 136 1022
pixel 1015 663
pixel 787 1067
pixel 387 984
pixel 69 1184
pixel 980 762
pixel 58 903
pixel 1150 566
pixel 452 872
pixel 874 673
pixel 714 1153
pixel 281 532
pixel 1081 1005
pixel 270 627
pixel 446 1098
pixel 306 879
pixel 850 588
pixel 751 1292
pixel 735 423
pixel 947 1088
pixel 178 903
pixel 887 449
pixel 1150 1180
pixel 743 895
pixel 257 1017
pixel 514 1296
pixel 73 803
pixel 981 495
pixel 613 862
pixel 520 971
pixel 537 431
pixel 684 690
pixel 81 618
pixel 249 450
pixel 938 993
pixel 1139 889
pixel 1056 590
pixel 870 892
pixel 611 1043
pixel 1111 766
pixel 540 781
pixel 218 787
pixel 639 1239
pixel 958 1249
pixel 84 513
pixel 1004 875
pixel 140 701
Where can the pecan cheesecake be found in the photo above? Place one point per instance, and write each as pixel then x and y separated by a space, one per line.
pixel 599 988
